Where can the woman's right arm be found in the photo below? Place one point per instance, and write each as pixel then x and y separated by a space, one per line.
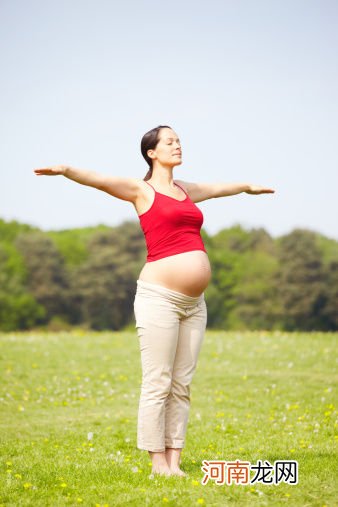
pixel 127 189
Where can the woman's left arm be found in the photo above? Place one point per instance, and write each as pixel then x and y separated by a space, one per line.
pixel 201 191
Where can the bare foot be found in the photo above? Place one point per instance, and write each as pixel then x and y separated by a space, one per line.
pixel 161 470
pixel 178 471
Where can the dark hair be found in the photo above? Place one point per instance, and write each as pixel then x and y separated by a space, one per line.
pixel 149 142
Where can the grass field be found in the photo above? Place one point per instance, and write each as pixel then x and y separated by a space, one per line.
pixel 69 410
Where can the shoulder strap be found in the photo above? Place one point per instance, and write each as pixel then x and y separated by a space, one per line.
pixel 151 186
pixel 181 188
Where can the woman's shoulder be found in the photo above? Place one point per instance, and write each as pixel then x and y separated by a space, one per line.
pixel 184 184
pixel 197 191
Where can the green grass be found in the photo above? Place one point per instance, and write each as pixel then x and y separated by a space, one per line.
pixel 255 396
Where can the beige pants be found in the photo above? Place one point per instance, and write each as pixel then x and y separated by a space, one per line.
pixel 170 327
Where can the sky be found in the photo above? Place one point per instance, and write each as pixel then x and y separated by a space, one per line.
pixel 250 87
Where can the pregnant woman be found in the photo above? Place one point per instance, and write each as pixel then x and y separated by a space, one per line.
pixel 170 309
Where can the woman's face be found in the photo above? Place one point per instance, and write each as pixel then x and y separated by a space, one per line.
pixel 168 151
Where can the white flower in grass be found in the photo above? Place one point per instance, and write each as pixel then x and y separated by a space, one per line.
pixel 134 469
pixel 90 435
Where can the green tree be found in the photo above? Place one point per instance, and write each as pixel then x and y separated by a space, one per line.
pixel 104 286
pixel 46 277
pixel 18 308
pixel 257 305
pixel 302 280
pixel 89 275
pixel 242 291
pixel 329 310
pixel 10 230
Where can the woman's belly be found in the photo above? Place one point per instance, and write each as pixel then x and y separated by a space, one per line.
pixel 188 273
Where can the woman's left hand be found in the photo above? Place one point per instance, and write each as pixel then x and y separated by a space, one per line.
pixel 255 189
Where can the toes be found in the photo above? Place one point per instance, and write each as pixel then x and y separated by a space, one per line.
pixel 178 472
pixel 161 472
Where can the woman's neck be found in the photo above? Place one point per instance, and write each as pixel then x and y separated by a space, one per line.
pixel 163 176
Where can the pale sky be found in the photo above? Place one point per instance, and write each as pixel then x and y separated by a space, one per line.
pixel 250 87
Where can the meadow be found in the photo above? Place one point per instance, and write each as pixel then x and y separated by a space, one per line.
pixel 69 404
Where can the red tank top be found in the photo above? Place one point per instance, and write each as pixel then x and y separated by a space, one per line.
pixel 171 226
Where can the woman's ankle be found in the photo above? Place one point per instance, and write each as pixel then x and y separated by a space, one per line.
pixel 173 457
pixel 158 459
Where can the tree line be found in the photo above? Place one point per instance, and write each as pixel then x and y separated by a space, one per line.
pixel 87 277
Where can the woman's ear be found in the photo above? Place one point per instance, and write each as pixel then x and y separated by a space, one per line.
pixel 151 154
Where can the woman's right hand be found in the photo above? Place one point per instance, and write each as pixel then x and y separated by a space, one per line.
pixel 51 171
pixel 127 189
